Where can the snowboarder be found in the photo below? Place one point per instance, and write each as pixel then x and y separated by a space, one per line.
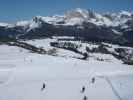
pixel 43 87
pixel 83 89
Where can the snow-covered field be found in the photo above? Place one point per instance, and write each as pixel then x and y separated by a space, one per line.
pixel 22 75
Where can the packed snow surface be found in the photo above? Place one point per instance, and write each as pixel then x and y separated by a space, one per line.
pixel 23 75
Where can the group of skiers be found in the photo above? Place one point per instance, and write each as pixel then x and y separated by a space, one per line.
pixel 82 90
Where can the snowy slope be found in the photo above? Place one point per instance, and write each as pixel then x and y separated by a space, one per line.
pixel 64 78
pixel 45 43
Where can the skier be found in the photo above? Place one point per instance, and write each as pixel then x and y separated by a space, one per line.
pixel 83 89
pixel 93 80
pixel 85 98
pixel 43 87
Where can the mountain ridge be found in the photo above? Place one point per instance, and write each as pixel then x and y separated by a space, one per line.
pixel 81 23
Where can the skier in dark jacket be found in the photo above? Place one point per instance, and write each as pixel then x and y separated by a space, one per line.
pixel 85 98
pixel 93 80
pixel 43 87
pixel 83 89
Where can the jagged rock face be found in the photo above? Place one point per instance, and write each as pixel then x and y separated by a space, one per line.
pixel 77 13
pixel 111 27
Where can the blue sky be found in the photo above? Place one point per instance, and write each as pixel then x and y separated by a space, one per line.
pixel 14 10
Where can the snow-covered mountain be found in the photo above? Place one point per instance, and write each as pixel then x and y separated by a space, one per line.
pixel 90 25
pixel 78 16
pixel 68 57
